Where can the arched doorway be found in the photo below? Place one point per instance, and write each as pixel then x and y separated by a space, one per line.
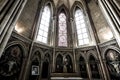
pixel 94 68
pixel 82 68
pixel 11 63
pixel 59 64
pixel 34 70
pixel 45 70
pixel 68 63
pixel 46 67
pixel 113 64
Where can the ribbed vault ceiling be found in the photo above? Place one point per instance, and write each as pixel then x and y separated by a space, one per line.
pixel 67 3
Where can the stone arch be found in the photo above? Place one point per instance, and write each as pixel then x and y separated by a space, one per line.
pixel 92 53
pixel 81 54
pixel 13 59
pixel 66 11
pixel 52 5
pixel 110 48
pixel 63 8
pixel 35 65
pixel 46 65
pixel 94 67
pixel 48 53
pixel 58 54
pixel 69 62
pixel 112 57
pixel 42 4
pixel 35 61
pixel 22 46
pixel 78 4
pixel 58 66
pixel 82 67
pixel 40 53
pixel 71 56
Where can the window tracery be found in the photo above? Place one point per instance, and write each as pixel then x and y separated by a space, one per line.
pixel 62 32
pixel 82 32
pixel 44 25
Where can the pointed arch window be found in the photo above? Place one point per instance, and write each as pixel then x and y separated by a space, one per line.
pixel 42 35
pixel 62 32
pixel 82 31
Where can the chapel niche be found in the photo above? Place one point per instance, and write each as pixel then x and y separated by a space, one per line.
pixel 113 64
pixel 11 63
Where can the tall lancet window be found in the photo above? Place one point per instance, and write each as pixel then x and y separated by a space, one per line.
pixel 44 25
pixel 62 32
pixel 82 31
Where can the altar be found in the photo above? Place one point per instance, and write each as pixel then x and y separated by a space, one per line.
pixel 67 78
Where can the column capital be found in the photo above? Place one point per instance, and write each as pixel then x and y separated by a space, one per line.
pixel 71 19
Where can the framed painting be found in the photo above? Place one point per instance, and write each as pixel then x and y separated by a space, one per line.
pixel 35 70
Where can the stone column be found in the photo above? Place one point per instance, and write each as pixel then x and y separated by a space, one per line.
pixel 96 43
pixel 41 66
pixel 88 70
pixel 100 70
pixel 22 69
pixel 9 13
pixel 54 43
pixel 101 63
pixel 111 17
pixel 116 16
pixel 74 42
pixel 117 3
pixel 107 72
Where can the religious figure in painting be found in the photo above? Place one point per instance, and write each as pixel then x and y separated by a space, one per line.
pixel 10 62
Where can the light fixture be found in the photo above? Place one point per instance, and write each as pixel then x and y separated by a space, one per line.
pixel 18 28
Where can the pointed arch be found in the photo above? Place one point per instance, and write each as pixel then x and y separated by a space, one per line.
pixel 35 64
pixel 63 8
pixel 42 35
pixel 79 5
pixel 110 48
pixel 52 6
pixel 22 46
pixel 62 26
pixel 14 53
pixel 82 67
pixel 92 58
pixel 47 57
pixel 48 54
pixel 93 63
pixel 112 57
pixel 69 63
pixel 45 69
pixel 92 53
pixel 39 53
pixel 81 28
pixel 36 55
pixel 44 24
pixel 62 29
pixel 81 58
pixel 59 64
pixel 82 32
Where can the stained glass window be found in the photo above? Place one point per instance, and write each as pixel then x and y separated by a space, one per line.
pixel 82 32
pixel 44 25
pixel 62 35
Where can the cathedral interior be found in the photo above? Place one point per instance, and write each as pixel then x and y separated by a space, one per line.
pixel 59 39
